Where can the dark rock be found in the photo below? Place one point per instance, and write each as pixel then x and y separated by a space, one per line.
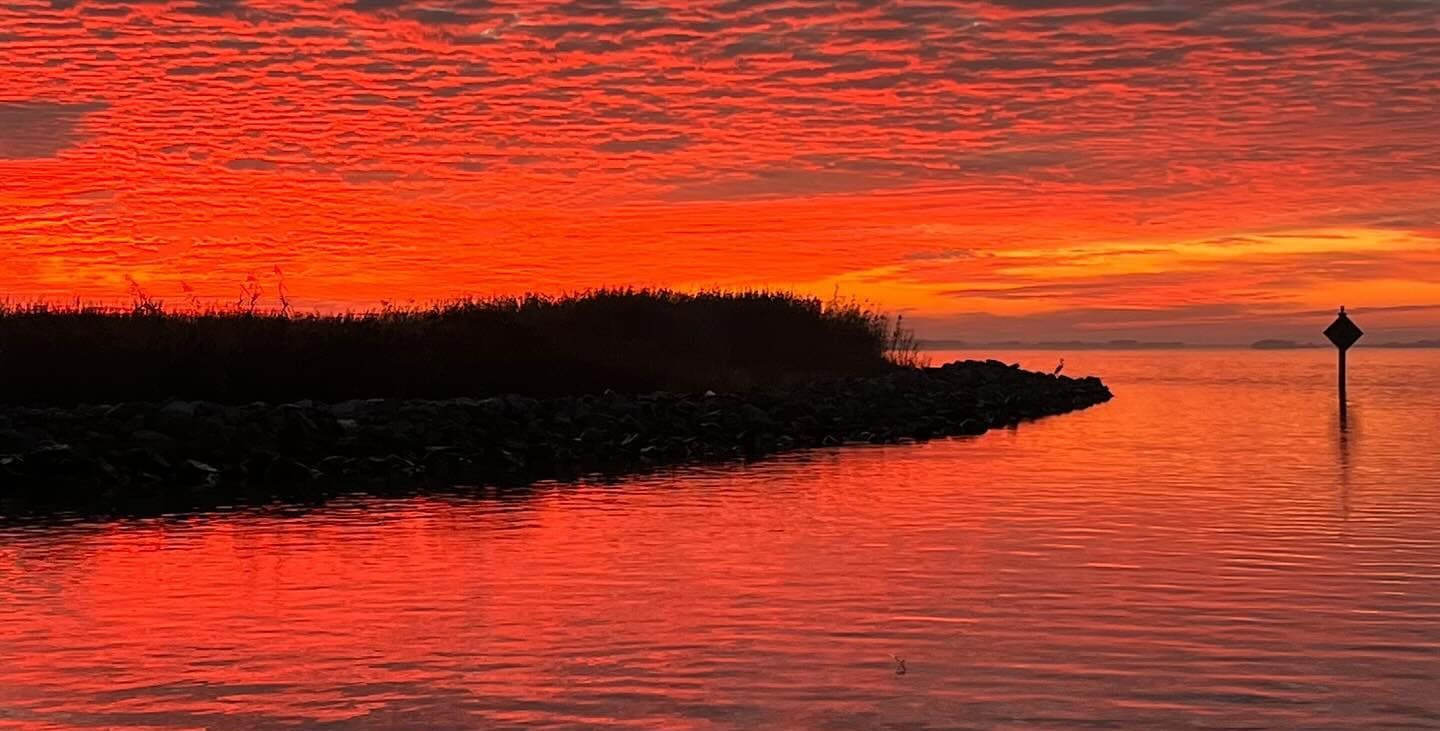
pixel 152 441
pixel 194 473
pixel 180 409
pixel 297 432
pixel 142 460
pixel 124 450
pixel 337 466
pixel 13 441
pixel 286 471
pixel 971 427
pixel 440 462
pixel 60 464
pixel 12 471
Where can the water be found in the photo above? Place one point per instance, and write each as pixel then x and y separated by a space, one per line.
pixel 1210 550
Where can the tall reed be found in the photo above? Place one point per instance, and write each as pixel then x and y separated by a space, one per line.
pixel 621 339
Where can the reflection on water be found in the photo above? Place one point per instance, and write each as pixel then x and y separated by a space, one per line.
pixel 1213 549
pixel 1343 456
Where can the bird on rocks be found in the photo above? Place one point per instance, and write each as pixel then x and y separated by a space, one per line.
pixel 1059 368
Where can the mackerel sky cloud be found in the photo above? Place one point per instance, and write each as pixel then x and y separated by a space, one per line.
pixel 1029 168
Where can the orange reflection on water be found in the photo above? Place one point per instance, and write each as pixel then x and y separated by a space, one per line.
pixel 1205 546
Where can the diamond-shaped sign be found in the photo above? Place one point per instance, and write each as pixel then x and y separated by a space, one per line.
pixel 1343 333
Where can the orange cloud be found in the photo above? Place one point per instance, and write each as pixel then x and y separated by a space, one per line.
pixel 998 158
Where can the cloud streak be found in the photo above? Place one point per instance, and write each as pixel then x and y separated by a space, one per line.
pixel 38 129
pixel 390 148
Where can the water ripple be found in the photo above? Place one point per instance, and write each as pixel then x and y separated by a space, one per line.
pixel 1123 567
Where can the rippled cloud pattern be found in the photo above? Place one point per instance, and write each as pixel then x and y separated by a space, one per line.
pixel 1020 167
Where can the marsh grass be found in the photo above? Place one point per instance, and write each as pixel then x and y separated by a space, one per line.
pixel 621 339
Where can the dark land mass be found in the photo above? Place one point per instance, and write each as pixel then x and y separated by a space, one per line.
pixel 1409 344
pixel 1293 345
pixel 158 456
pixel 1283 345
pixel 143 410
pixel 625 340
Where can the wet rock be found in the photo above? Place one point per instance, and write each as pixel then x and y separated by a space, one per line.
pixel 179 409
pixel 139 460
pixel 297 432
pixel 60 464
pixel 337 466
pixel 971 427
pixel 14 441
pixel 286 471
pixel 132 449
pixel 194 473
pixel 153 441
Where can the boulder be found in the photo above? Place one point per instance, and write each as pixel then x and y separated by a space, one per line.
pixel 130 449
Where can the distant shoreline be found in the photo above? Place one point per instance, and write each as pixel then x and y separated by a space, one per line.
pixel 926 346
pixel 933 345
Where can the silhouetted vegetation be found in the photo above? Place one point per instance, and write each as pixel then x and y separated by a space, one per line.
pixel 626 340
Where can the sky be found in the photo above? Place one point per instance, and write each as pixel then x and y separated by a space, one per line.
pixel 1010 169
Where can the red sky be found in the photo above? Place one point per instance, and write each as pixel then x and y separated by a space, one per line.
pixel 1005 169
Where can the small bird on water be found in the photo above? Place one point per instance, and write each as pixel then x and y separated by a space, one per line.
pixel 1059 368
pixel 899 665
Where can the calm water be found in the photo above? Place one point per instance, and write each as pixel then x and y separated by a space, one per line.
pixel 1210 550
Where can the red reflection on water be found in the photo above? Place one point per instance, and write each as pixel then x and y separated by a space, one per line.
pixel 1180 553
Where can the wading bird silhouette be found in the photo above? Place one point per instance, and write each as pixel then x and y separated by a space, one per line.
pixel 1059 368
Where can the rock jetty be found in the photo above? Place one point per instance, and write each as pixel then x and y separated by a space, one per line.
pixel 111 455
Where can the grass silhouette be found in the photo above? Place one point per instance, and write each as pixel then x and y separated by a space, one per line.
pixel 622 339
